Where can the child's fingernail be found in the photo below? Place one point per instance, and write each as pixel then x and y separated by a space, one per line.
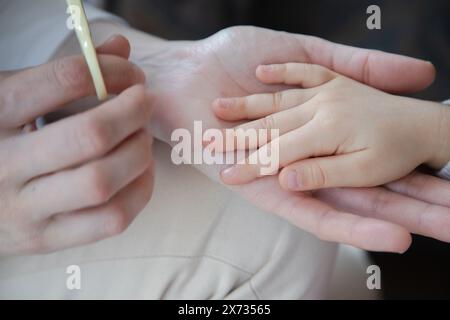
pixel 226 103
pixel 292 180
pixel 228 173
pixel 269 68
pixel 264 68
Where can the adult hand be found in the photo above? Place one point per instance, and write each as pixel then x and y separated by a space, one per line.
pixel 186 77
pixel 83 178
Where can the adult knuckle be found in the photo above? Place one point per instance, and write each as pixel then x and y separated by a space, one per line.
pixel 137 103
pixel 19 233
pixel 118 220
pixel 71 73
pixel 33 242
pixel 145 141
pixel 418 185
pixel 99 188
pixel 38 245
pixel 139 95
pixel 142 148
pixel 93 137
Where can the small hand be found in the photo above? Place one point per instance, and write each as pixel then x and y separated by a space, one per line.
pixel 335 132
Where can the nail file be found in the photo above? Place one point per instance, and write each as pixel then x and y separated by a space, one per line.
pixel 83 33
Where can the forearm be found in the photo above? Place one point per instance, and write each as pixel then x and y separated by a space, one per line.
pixel 154 55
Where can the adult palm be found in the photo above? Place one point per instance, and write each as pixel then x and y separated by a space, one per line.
pixel 185 77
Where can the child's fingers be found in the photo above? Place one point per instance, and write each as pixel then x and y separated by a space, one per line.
pixel 301 74
pixel 324 172
pixel 260 105
pixel 93 224
pixel 255 134
pixel 293 146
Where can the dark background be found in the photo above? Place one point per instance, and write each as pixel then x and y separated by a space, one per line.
pixel 418 28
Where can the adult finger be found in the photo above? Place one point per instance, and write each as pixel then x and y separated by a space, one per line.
pixel 416 216
pixel 116 45
pixel 92 184
pixel 423 187
pixel 37 91
pixel 85 136
pixel 322 220
pixel 385 71
pixel 94 224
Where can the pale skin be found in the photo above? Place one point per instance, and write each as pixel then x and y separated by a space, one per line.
pixel 186 77
pixel 183 78
pixel 334 131
pixel 81 179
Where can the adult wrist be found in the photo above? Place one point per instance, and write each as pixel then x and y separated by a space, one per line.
pixel 442 137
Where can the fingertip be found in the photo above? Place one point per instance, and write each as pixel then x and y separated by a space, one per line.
pixel 396 239
pixel 228 175
pixel 260 71
pixel 225 109
pixel 288 180
pixel 403 248
pixel 237 174
pixel 264 73
pixel 429 74
pixel 422 75
pixel 399 74
pixel 116 45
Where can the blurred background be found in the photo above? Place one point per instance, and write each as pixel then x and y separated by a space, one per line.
pixel 419 28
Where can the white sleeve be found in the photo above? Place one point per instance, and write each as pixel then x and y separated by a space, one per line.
pixel 32 31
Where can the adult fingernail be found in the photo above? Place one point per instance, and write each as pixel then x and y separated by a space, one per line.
pixel 110 39
pixel 292 180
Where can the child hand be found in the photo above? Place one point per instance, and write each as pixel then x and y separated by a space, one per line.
pixel 334 131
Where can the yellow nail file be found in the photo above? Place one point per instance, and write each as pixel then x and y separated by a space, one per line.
pixel 83 33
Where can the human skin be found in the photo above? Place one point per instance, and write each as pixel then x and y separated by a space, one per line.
pixel 184 78
pixel 81 179
pixel 334 131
